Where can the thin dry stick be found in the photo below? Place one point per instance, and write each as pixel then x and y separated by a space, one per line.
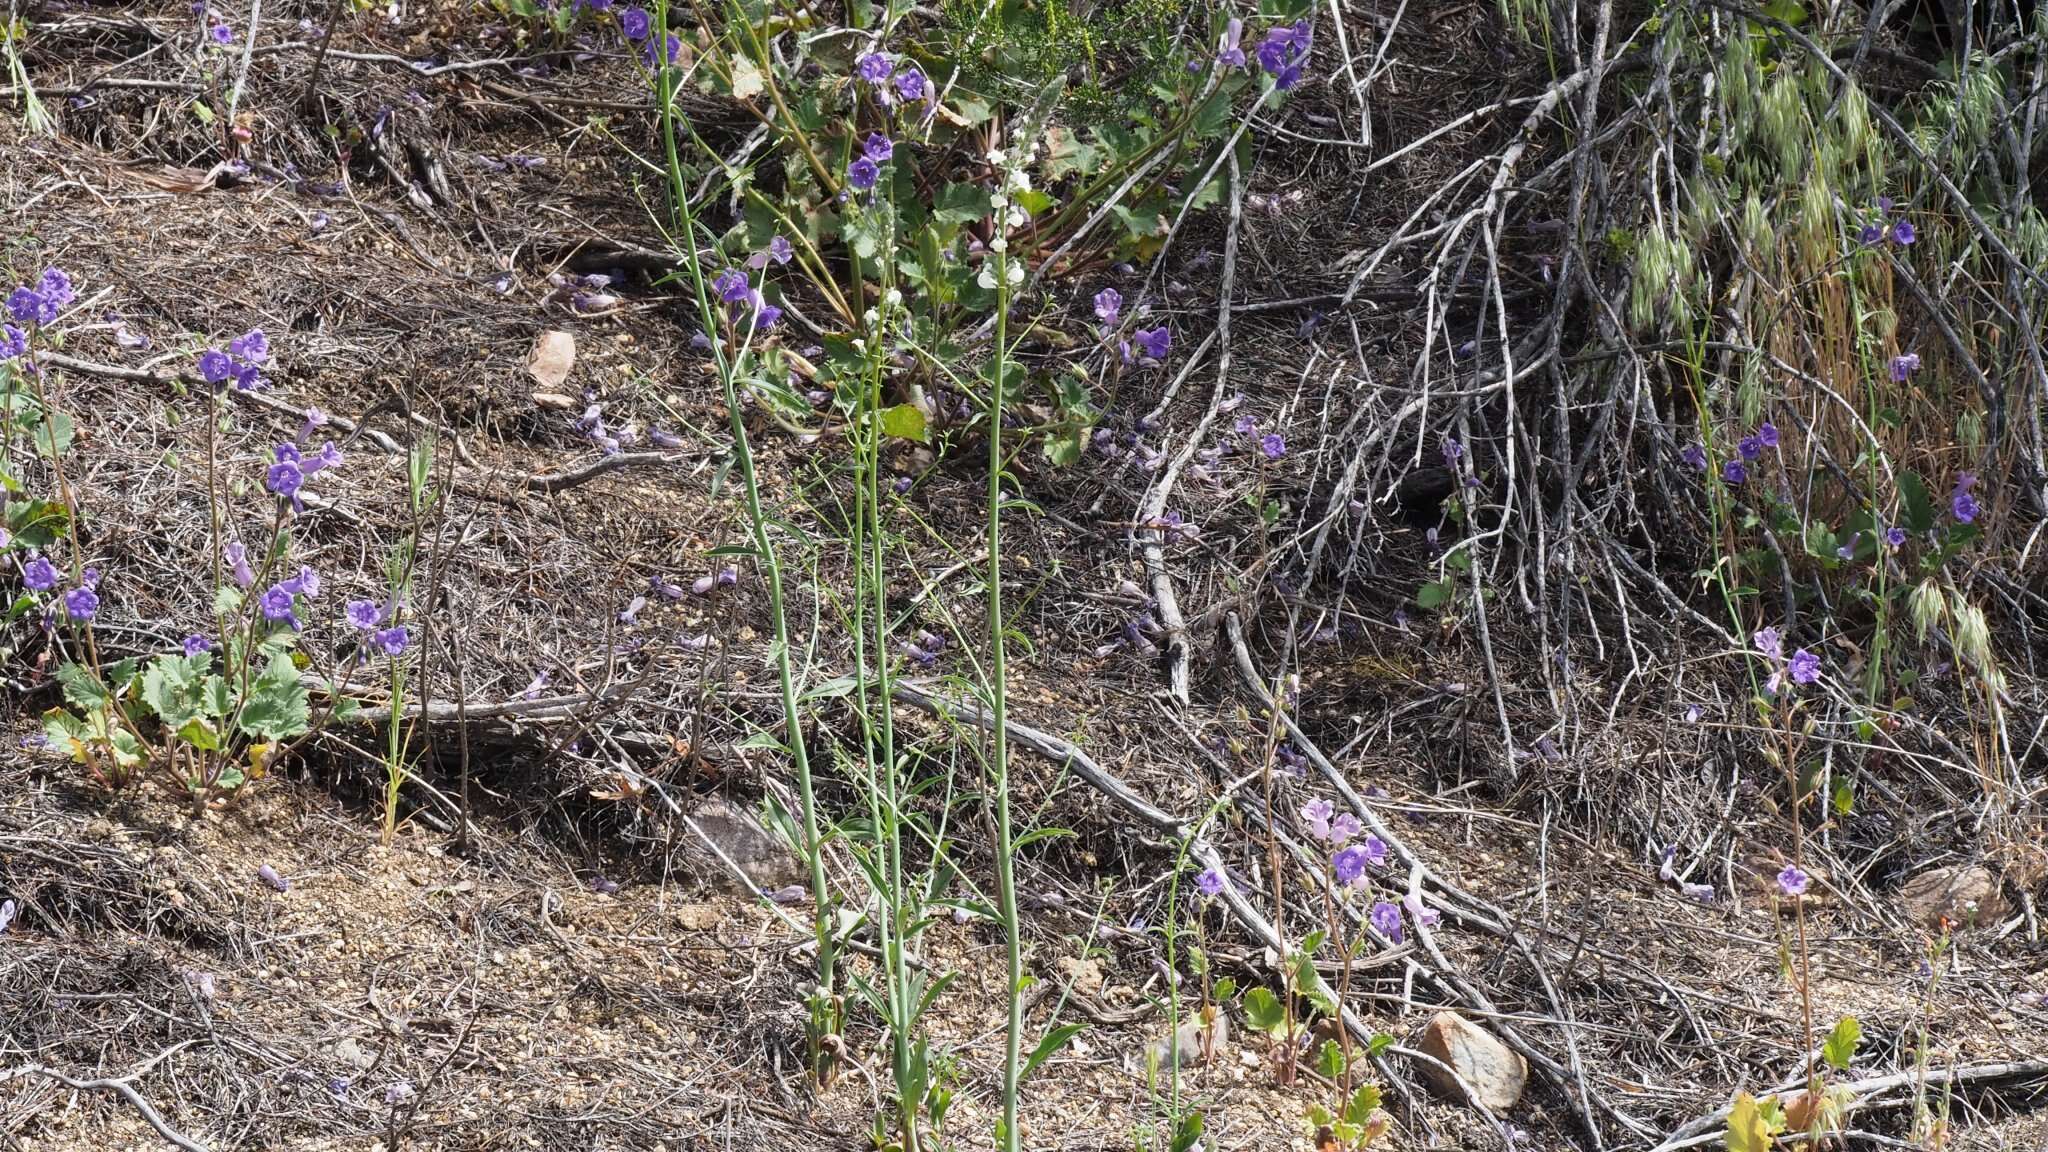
pixel 119 1088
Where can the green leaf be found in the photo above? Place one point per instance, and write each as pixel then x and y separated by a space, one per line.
pixel 227 601
pixel 904 422
pixel 275 708
pixel 175 690
pixel 1188 1133
pixel 1844 798
pixel 1224 988
pixel 200 734
pixel 1433 594
pixel 1363 1103
pixel 1919 510
pixel 53 435
pixel 1053 1041
pixel 1841 1045
pixel 1262 1011
pixel 1380 1042
pixel 1330 1060
pixel 82 690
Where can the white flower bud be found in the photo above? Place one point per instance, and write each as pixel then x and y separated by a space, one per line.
pixel 999 244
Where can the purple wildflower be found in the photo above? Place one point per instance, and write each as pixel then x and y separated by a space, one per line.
pixel 1109 305
pixel 1282 52
pixel 276 603
pixel 1349 866
pixel 252 346
pixel 1453 451
pixel 1904 365
pixel 1317 814
pixel 55 287
pixel 1770 642
pixel 39 574
pixel 1871 232
pixel 1273 445
pixel 1210 882
pixel 1793 881
pixel 911 85
pixel 1375 851
pixel 1154 342
pixel 81 603
pixel 1902 233
pixel 635 22
pixel 1386 917
pixel 393 639
pixel 1734 473
pixel 285 478
pixel 13 342
pixel 215 367
pixel 1894 536
pixel 1343 828
pixel 270 876
pixel 862 173
pixel 878 148
pixel 221 34
pixel 1423 915
pixel 1963 504
pixel 1230 50
pixel 237 556
pixel 1695 456
pixel 1751 447
pixel 731 285
pixel 874 68
pixel 1805 667
pixel 196 643
pixel 364 615
pixel 1767 434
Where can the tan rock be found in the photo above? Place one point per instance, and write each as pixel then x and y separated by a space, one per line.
pixel 1085 975
pixel 1963 894
pixel 1495 1072
pixel 762 855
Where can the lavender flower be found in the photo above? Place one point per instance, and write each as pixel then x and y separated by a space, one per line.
pixel 1155 342
pixel 874 68
pixel 1272 445
pixel 911 85
pixel 1229 51
pixel 731 286
pixel 276 603
pixel 13 342
pixel 237 557
pixel 1961 503
pixel 1734 473
pixel 1283 51
pixel 363 615
pixel 1904 365
pixel 272 877
pixel 196 644
pixel 1894 536
pixel 1770 642
pixel 1317 814
pixel 650 53
pixel 1751 447
pixel 1871 232
pixel 1343 828
pixel 878 148
pixel 1902 233
pixel 221 34
pixel 1423 915
pixel 1695 456
pixel 862 173
pixel 1210 882
pixel 55 287
pixel 1109 304
pixel 1793 881
pixel 81 603
pixel 1349 866
pixel 251 346
pixel 1386 918
pixel 39 574
pixel 393 639
pixel 285 478
pixel 635 22
pixel 1453 451
pixel 1848 550
pixel 1767 434
pixel 215 367
pixel 1804 666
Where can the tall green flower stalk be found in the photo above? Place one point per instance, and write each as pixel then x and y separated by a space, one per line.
pixel 998 691
pixel 728 356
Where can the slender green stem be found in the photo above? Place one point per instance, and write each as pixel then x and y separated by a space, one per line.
pixel 763 543
pixel 999 758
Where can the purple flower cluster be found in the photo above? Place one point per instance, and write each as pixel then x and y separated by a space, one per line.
pixel 892 83
pixel 288 475
pixel 241 363
pixel 744 302
pixel 279 602
pixel 1903 366
pixel 1802 668
pixel 1283 52
pixel 40 305
pixel 925 648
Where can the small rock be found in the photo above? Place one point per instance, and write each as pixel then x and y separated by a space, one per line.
pixel 1194 1040
pixel 766 860
pixel 698 917
pixel 552 356
pixel 1964 895
pixel 1496 1072
pixel 350 1052
pixel 1085 975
